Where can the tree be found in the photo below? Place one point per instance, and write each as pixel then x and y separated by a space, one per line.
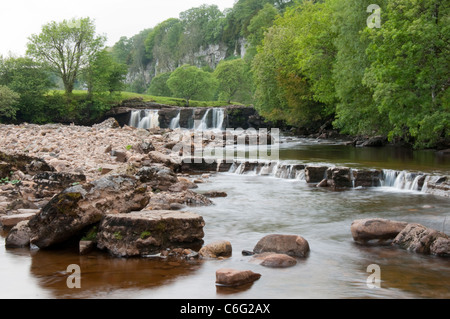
pixel 291 70
pixel 189 82
pixel 31 80
pixel 409 71
pixel 158 86
pixel 8 100
pixel 104 74
pixel 356 110
pixel 67 47
pixel 231 77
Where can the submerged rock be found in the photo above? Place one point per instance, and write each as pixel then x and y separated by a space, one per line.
pixel 234 277
pixel 364 230
pixel 148 232
pixel 291 245
pixel 277 260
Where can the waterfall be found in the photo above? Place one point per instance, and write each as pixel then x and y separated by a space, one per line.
pixel 145 119
pixel 274 169
pixel 218 118
pixel 175 122
pixel 404 180
pixel 204 122
pixel 217 122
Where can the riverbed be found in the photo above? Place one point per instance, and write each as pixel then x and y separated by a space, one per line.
pixel 256 206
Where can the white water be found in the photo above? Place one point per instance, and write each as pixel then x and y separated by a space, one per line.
pixel 145 119
pixel 175 123
pixel 391 179
pixel 216 123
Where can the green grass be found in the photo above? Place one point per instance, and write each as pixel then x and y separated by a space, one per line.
pixel 157 99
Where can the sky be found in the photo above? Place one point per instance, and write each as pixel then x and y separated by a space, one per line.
pixel 114 18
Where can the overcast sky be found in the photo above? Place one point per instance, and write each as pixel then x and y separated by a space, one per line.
pixel 114 18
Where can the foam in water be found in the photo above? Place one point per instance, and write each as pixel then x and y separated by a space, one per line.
pixel 145 119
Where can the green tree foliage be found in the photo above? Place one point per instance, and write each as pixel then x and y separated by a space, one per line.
pixel 409 72
pixel 232 78
pixel 202 26
pixel 8 100
pixel 158 86
pixel 31 80
pixel 189 82
pixel 66 47
pixel 104 74
pixel 356 111
pixel 292 68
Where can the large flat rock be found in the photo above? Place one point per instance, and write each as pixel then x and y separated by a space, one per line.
pixel 148 232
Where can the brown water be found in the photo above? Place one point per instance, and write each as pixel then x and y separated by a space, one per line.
pixel 257 206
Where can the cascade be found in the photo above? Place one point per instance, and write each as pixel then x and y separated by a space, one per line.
pixel 145 119
pixel 175 122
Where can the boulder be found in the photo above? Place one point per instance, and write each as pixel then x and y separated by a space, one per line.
pixel 234 277
pixel 315 174
pixel 77 207
pixel 291 245
pixel 158 177
pixel 278 261
pixel 107 124
pixel 221 248
pixel 19 235
pixel 364 230
pixel 420 239
pixel 148 232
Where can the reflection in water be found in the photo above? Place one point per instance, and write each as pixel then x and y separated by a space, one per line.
pixel 103 275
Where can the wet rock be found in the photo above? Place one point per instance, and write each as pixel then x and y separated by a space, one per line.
pixel 80 206
pixel 291 245
pixel 214 194
pixel 367 178
pixel 440 247
pixel 364 230
pixel 148 232
pixel 278 261
pixel 216 249
pixel 234 277
pixel 420 239
pixel 315 174
pixel 439 187
pixel 86 246
pixel 339 177
pixel 19 235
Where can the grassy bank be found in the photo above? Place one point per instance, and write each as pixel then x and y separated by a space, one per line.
pixel 122 96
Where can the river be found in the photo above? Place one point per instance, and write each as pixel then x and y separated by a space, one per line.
pixel 256 205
